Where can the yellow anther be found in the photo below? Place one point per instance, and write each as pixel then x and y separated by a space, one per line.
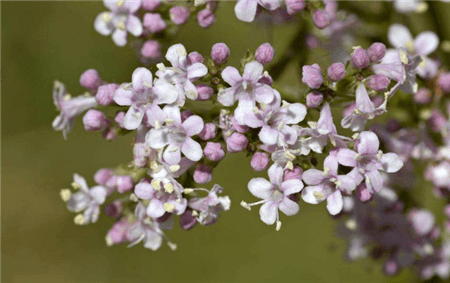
pixel 409 46
pixel 146 84
pixel 67 97
pixel 161 67
pixel 76 186
pixel 173 149
pixel 156 184
pixel 422 7
pixel 154 165
pixel 174 168
pixel 79 219
pixel 172 246
pixel 181 52
pixel 134 198
pixel 326 171
pixel 188 191
pixel 109 242
pixel 192 95
pixel 318 195
pixel 351 224
pixel 121 26
pixel 245 205
pixel 169 207
pixel 148 221
pixel 404 57
pixel 131 218
pixel 106 17
pixel 168 188
pixel 120 3
pixel 278 227
pixel 65 194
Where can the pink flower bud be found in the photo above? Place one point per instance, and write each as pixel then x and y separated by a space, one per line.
pixel 259 162
pixel 264 54
pixel 151 49
pixel 202 174
pixel 444 82
pixel 123 183
pixel 236 142
pixel 378 82
pixel 220 53
pixel 119 118
pixel 363 193
pixel 321 18
pixel 95 120
pixel 213 151
pixel 312 76
pixel 206 18
pixel 110 134
pixel 447 210
pixel 103 175
pixel 208 132
pixel 391 267
pixel 295 6
pixel 295 173
pixel 314 99
pixel 117 234
pixel 422 96
pixel 205 92
pixel 187 220
pixel 154 22
pixel 105 93
pixel 150 5
pixel 376 51
pixel 195 57
pixel 436 121
pixel 360 59
pixel 336 72
pixel 90 79
pixel 114 209
pixel 186 114
pixel 239 128
pixel 179 14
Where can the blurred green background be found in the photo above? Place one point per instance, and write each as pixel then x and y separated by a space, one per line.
pixel 43 41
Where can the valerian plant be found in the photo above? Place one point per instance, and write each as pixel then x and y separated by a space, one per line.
pixel 336 138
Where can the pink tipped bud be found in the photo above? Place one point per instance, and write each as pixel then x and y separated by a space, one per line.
pixel 220 53
pixel 376 51
pixel 151 49
pixel 312 76
pixel 213 151
pixel 363 193
pixel 95 120
pixel 422 96
pixel 336 72
pixel 295 173
pixel 378 82
pixel 187 220
pixel 179 14
pixel 321 18
pixel 314 99
pixel 436 121
pixel 295 6
pixel 105 94
pixel 90 79
pixel 195 57
pixel 150 5
pixel 117 234
pixel 444 82
pixel 259 162
pixel 391 268
pixel 110 134
pixel 119 118
pixel 205 92
pixel 206 18
pixel 202 174
pixel 124 184
pixel 154 22
pixel 103 175
pixel 264 54
pixel 114 209
pixel 360 59
pixel 208 132
pixel 236 142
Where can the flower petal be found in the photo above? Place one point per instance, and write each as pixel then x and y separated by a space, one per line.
pixel 399 35
pixel 291 186
pixel 141 79
pixel 253 71
pixel 391 162
pixel 313 177
pixel 120 37
pixel 289 207
pixel 426 43
pixel 368 143
pixel 268 212
pixel 347 157
pixel 335 203
pixel 192 149
pixel 313 194
pixel 134 25
pixel 231 76
pixel 101 26
pixel 193 125
pixel 246 10
pixel 260 188
pixel 155 208
pixel 144 190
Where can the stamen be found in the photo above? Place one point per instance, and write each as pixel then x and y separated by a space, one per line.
pixel 121 26
pixel 326 171
pixel 188 191
pixel 169 207
pixel 76 186
pixel 146 84
pixel 120 3
pixel 172 246
pixel 351 224
pixel 156 184
pixel 109 242
pixel 181 52
pixel 174 168
pixel 161 67
pixel 173 149
pixel 278 227
pixel 65 194
pixel 79 219
pixel 134 198
pixel 318 195
pixel 168 188
pixel 191 94
pixel 246 205
pixel 106 17
pixel 404 57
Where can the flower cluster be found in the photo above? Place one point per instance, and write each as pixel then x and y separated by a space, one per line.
pixel 393 127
